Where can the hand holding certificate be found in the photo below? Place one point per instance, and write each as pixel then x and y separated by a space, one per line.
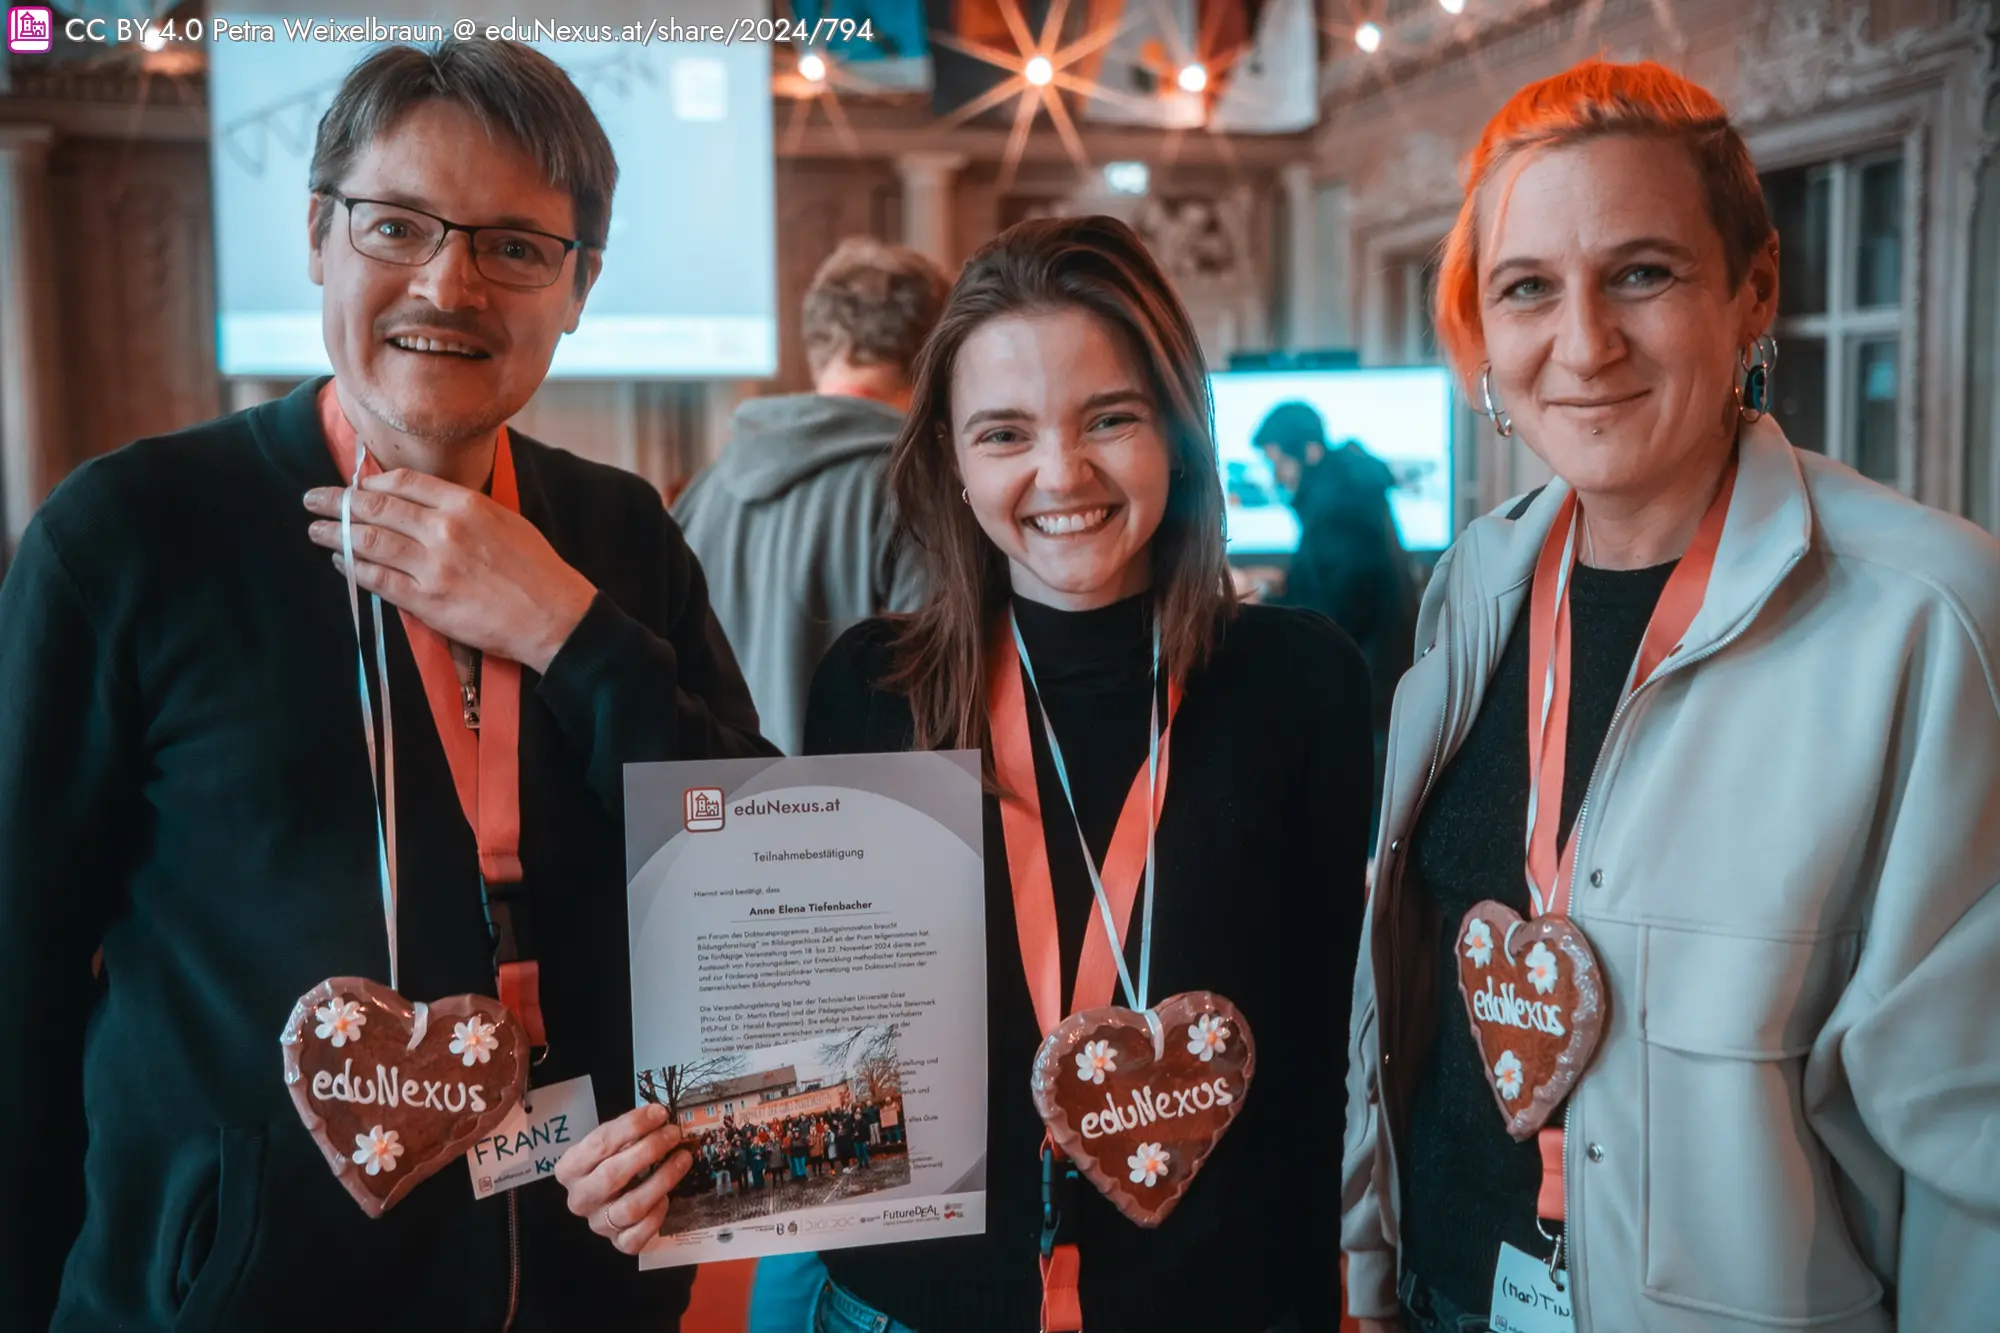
pixel 808 1004
pixel 615 1179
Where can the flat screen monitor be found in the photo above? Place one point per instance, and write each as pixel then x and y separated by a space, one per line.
pixel 689 285
pixel 1401 415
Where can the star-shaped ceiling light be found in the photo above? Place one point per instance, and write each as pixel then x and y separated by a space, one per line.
pixel 1038 70
pixel 1193 71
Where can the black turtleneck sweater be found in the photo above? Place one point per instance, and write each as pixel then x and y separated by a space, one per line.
pixel 1261 845
pixel 1467 1186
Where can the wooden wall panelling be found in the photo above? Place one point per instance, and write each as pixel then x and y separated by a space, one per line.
pixel 136 277
pixel 820 203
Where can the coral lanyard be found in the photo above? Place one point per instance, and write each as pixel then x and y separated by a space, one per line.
pixel 1550 869
pixel 485 763
pixel 1115 887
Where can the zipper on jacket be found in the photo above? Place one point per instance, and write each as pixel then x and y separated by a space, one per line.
pixel 513 1259
pixel 1611 729
pixel 1572 1242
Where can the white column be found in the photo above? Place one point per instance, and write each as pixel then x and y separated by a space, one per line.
pixel 927 183
pixel 1301 256
pixel 32 456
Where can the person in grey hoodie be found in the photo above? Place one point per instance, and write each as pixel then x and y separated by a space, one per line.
pixel 792 523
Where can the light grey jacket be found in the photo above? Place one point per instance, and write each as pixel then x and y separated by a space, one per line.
pixel 793 529
pixel 1787 861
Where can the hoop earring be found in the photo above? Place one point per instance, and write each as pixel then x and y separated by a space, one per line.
pixel 963 496
pixel 1494 412
pixel 1753 393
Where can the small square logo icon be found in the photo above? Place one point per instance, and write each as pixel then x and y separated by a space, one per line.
pixel 703 808
pixel 30 28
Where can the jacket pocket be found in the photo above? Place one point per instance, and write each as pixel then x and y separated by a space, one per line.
pixel 1740 1213
pixel 216 1247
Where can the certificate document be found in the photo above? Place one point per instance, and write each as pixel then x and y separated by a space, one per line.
pixel 809 997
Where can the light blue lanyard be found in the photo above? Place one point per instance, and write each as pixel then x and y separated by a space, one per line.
pixel 1135 997
pixel 385 791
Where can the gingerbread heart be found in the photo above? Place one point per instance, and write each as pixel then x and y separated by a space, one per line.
pixel 1534 994
pixel 394 1091
pixel 1139 1100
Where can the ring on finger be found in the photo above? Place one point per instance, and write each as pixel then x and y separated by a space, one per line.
pixel 609 1225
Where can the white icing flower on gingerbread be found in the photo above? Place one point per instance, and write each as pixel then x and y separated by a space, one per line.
pixel 377 1150
pixel 1479 943
pixel 1507 1076
pixel 339 1022
pixel 1542 967
pixel 1207 1038
pixel 1148 1164
pixel 1094 1061
pixel 474 1040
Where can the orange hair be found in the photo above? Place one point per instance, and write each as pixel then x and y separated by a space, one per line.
pixel 1586 101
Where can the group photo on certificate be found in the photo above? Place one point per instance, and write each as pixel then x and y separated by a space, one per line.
pixel 785 1129
pixel 1002 667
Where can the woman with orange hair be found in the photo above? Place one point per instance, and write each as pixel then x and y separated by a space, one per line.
pixel 1675 1010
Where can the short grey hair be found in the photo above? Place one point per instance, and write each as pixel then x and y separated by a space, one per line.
pixel 513 90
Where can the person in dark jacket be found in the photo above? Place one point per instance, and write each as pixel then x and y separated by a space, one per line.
pixel 1350 566
pixel 185 783
pixel 792 523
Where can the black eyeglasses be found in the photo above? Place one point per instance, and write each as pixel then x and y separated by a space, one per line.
pixel 399 234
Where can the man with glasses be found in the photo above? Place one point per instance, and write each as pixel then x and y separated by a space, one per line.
pixel 188 818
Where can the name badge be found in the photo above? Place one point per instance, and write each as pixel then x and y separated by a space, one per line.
pixel 528 1142
pixel 1525 1298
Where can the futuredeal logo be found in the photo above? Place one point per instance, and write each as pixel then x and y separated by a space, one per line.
pixel 701 808
pixel 926 1212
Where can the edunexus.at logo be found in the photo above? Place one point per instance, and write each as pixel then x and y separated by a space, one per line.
pixel 30 28
pixel 701 808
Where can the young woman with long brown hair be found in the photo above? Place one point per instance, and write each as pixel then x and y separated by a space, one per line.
pixel 1059 472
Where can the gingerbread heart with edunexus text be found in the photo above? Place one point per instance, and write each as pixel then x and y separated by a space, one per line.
pixel 394 1090
pixel 1139 1100
pixel 1534 994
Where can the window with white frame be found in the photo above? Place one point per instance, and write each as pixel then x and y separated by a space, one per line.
pixel 1412 330
pixel 1843 309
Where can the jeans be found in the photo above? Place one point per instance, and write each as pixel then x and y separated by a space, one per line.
pixel 1425 1311
pixel 798 1166
pixel 838 1311
pixel 784 1293
pixel 861 1151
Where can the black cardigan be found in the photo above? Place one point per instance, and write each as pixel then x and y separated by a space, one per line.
pixel 183 779
pixel 1262 845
